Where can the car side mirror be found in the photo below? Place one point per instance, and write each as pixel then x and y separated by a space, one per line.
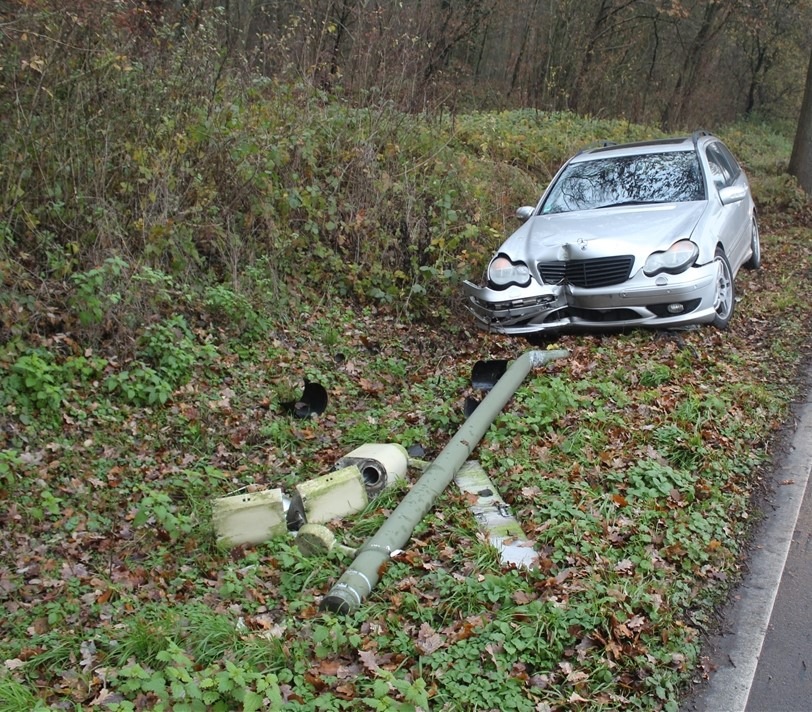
pixel 732 194
pixel 525 212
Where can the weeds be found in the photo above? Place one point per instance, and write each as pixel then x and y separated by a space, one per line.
pixel 188 255
pixel 628 489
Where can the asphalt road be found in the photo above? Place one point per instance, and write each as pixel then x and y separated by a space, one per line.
pixel 762 658
pixel 783 678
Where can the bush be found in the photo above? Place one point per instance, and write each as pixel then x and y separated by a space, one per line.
pixel 149 172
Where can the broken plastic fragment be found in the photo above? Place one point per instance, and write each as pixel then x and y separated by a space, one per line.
pixel 312 402
pixel 485 374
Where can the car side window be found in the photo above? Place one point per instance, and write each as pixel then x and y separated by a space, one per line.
pixel 724 168
pixel 732 163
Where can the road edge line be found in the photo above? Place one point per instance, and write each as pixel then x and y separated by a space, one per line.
pixel 729 687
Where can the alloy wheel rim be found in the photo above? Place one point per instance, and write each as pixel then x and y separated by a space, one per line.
pixel 722 303
pixel 755 243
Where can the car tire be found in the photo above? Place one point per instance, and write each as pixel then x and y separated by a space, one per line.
pixel 724 299
pixel 755 245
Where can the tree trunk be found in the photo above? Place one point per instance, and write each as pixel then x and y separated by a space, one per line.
pixel 601 26
pixel 800 165
pixel 716 14
pixel 517 65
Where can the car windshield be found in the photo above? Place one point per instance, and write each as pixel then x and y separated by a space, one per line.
pixel 672 177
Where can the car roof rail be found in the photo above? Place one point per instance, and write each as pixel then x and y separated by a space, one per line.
pixel 595 145
pixel 699 133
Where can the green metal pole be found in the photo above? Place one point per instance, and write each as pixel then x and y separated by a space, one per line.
pixel 358 581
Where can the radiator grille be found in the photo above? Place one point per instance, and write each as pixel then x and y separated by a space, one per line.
pixel 590 274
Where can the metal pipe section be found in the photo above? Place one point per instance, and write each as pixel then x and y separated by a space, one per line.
pixel 359 580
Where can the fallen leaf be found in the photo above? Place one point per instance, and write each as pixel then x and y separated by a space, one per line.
pixel 619 500
pixel 429 640
pixel 624 567
pixel 328 667
pixel 369 658
pixel 521 597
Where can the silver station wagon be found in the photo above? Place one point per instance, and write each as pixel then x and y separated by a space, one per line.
pixel 647 234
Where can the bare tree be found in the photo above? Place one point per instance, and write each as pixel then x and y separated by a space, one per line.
pixel 800 164
pixel 676 62
pixel 714 16
pixel 604 24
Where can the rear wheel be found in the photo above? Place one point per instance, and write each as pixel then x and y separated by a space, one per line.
pixel 755 246
pixel 725 297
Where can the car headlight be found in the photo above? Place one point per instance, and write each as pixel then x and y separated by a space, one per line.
pixel 502 272
pixel 677 258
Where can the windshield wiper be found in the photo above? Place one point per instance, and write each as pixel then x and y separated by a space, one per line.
pixel 630 202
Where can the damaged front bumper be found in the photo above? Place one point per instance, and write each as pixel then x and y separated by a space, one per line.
pixel 664 301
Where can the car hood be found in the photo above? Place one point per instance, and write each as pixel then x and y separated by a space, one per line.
pixel 627 230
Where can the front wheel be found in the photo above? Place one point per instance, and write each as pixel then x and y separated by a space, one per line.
pixel 725 298
pixel 755 248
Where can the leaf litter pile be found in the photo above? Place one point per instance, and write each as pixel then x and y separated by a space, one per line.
pixel 631 465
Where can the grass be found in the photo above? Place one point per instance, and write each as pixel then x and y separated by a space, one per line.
pixel 135 391
pixel 631 464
